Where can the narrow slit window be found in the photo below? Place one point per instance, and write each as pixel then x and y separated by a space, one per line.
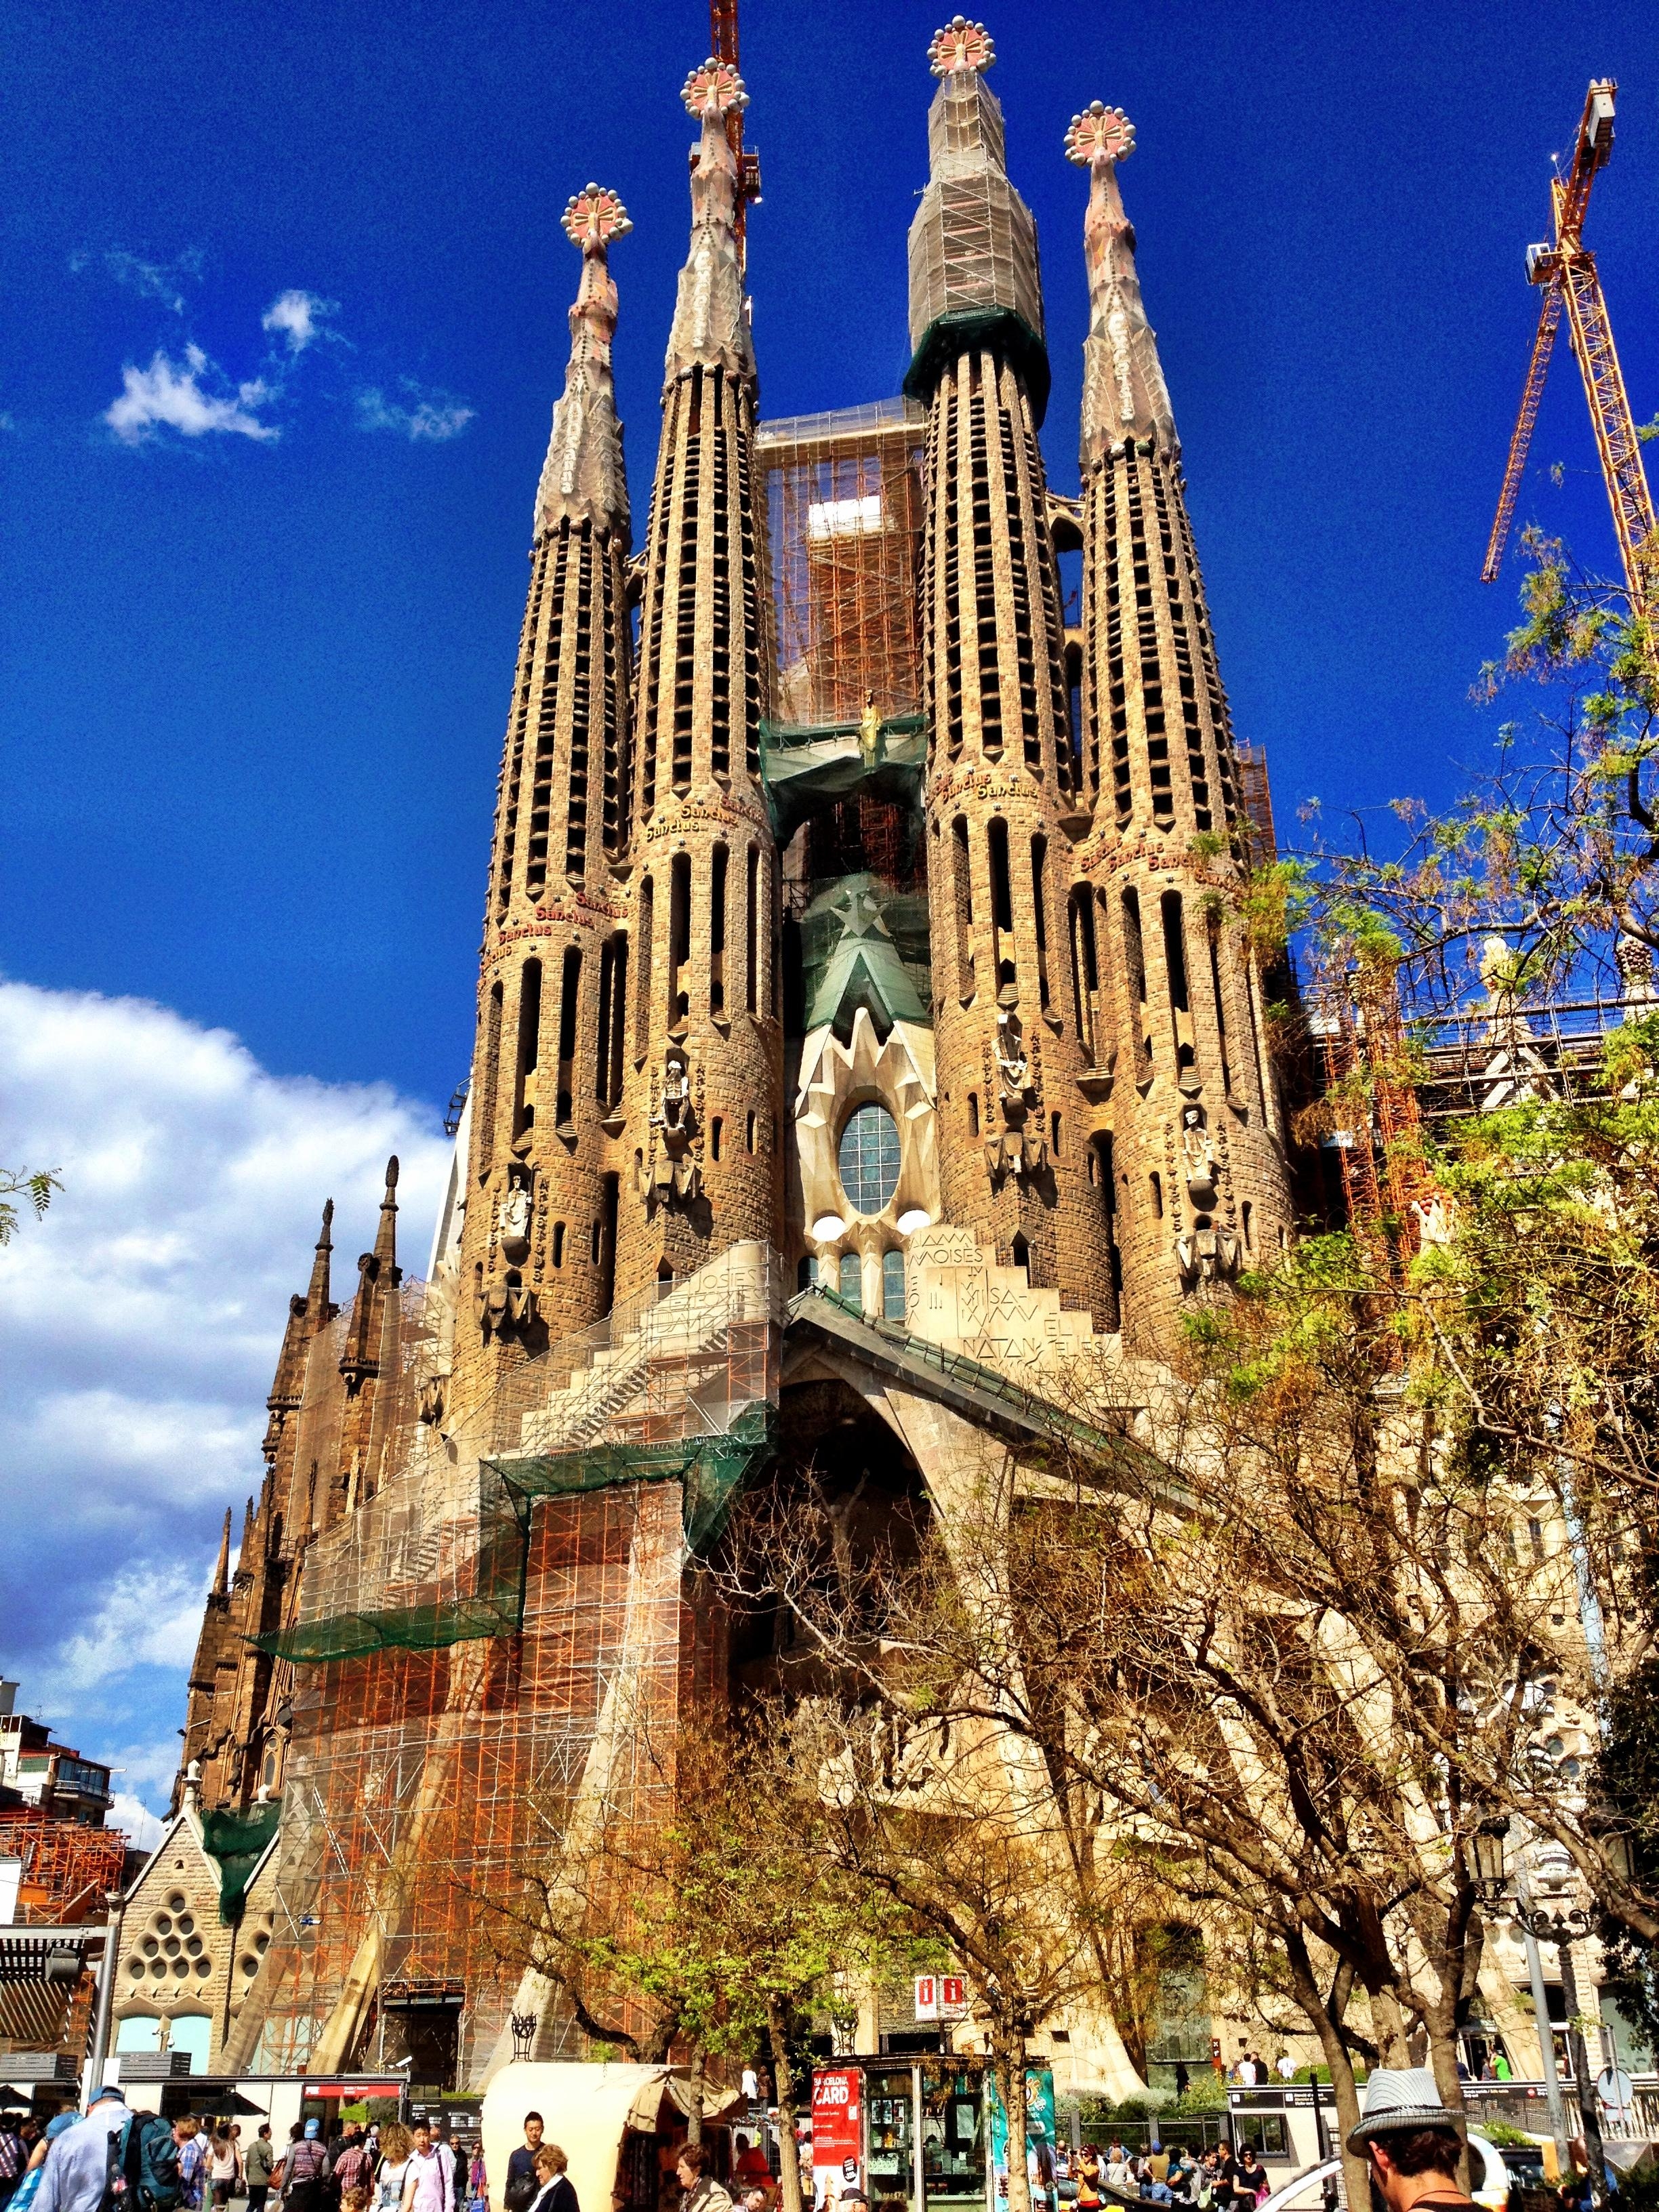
pixel 892 1286
pixel 717 931
pixel 558 1243
pixel 851 1279
pixel 1134 967
pixel 602 1042
pixel 962 883
pixel 715 1128
pixel 752 935
pixel 1175 968
pixel 492 1068
pixel 569 997
pixel 529 1045
pixel 642 981
pixel 679 940
pixel 1040 916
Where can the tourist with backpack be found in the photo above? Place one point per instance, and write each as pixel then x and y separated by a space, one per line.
pixel 305 2170
pixel 258 2167
pixel 113 2160
pixel 192 2161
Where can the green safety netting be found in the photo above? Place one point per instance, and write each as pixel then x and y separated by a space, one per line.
pixel 711 1470
pixel 803 764
pixel 237 1841
pixel 862 944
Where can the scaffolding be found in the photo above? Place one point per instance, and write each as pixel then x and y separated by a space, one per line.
pixel 1369 1081
pixel 496 1639
pixel 68 1869
pixel 844 499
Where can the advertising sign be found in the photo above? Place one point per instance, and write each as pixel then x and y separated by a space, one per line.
pixel 1039 2134
pixel 838 2133
pixel 941 1997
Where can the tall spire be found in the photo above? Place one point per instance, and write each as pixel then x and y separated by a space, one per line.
pixel 385 1240
pixel 1124 394
pixel 711 316
pixel 973 245
pixel 582 478
pixel 221 1572
pixel 317 1303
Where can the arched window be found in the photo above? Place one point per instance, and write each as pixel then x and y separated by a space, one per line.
pixel 851 1283
pixel 892 1286
pixel 869 1158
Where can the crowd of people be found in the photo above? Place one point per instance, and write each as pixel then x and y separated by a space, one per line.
pixel 66 2165
pixel 1227 2180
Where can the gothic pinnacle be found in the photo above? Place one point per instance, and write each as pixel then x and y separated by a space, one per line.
pixel 221 1571
pixel 582 477
pixel 711 318
pixel 385 1240
pixel 1124 394
pixel 317 1303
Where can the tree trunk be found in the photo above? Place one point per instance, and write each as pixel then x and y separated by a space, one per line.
pixel 1326 2021
pixel 694 2096
pixel 1393 2042
pixel 1583 2083
pixel 783 2076
pixel 1442 2058
pixel 1008 2066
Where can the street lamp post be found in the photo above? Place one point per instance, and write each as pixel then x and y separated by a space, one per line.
pixel 1563 1929
pixel 1496 1881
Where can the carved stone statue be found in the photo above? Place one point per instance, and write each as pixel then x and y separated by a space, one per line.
pixel 1019 1148
pixel 675 1174
pixel 513 1222
pixel 1198 1161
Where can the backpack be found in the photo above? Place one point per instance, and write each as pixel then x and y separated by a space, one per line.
pixel 143 2166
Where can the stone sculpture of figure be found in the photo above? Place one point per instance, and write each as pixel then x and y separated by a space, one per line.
pixel 1013 1069
pixel 1199 1160
pixel 676 1174
pixel 1017 1148
pixel 513 1222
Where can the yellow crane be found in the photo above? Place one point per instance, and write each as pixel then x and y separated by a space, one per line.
pixel 1566 271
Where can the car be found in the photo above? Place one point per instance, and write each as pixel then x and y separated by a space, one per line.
pixel 1490 2181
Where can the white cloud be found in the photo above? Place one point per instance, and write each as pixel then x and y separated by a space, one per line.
pixel 143 1828
pixel 153 280
pixel 142 1319
pixel 433 415
pixel 172 396
pixel 299 316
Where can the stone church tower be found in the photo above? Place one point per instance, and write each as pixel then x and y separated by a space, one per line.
pixel 703 1090
pixel 868 1059
pixel 1001 795
pixel 1191 1154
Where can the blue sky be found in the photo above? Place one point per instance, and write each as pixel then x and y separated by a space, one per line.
pixel 254 679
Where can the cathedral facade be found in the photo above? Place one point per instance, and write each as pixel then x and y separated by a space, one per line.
pixel 859 981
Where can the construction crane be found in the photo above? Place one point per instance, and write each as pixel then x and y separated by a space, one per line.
pixel 723 29
pixel 1566 271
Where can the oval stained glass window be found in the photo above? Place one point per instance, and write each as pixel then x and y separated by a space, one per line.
pixel 869 1160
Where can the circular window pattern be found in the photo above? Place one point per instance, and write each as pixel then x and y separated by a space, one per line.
pixel 869 1158
pixel 186 1925
pixel 205 1966
pixel 193 1945
pixel 150 1947
pixel 181 1967
pixel 158 1967
pixel 161 1924
pixel 177 1901
pixel 172 1947
pixel 134 1967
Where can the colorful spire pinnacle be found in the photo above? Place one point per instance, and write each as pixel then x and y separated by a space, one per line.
pixel 582 477
pixel 961 45
pixel 711 318
pixel 1124 394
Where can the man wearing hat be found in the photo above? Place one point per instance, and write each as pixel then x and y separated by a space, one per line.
pixel 1413 2143
pixel 77 2170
